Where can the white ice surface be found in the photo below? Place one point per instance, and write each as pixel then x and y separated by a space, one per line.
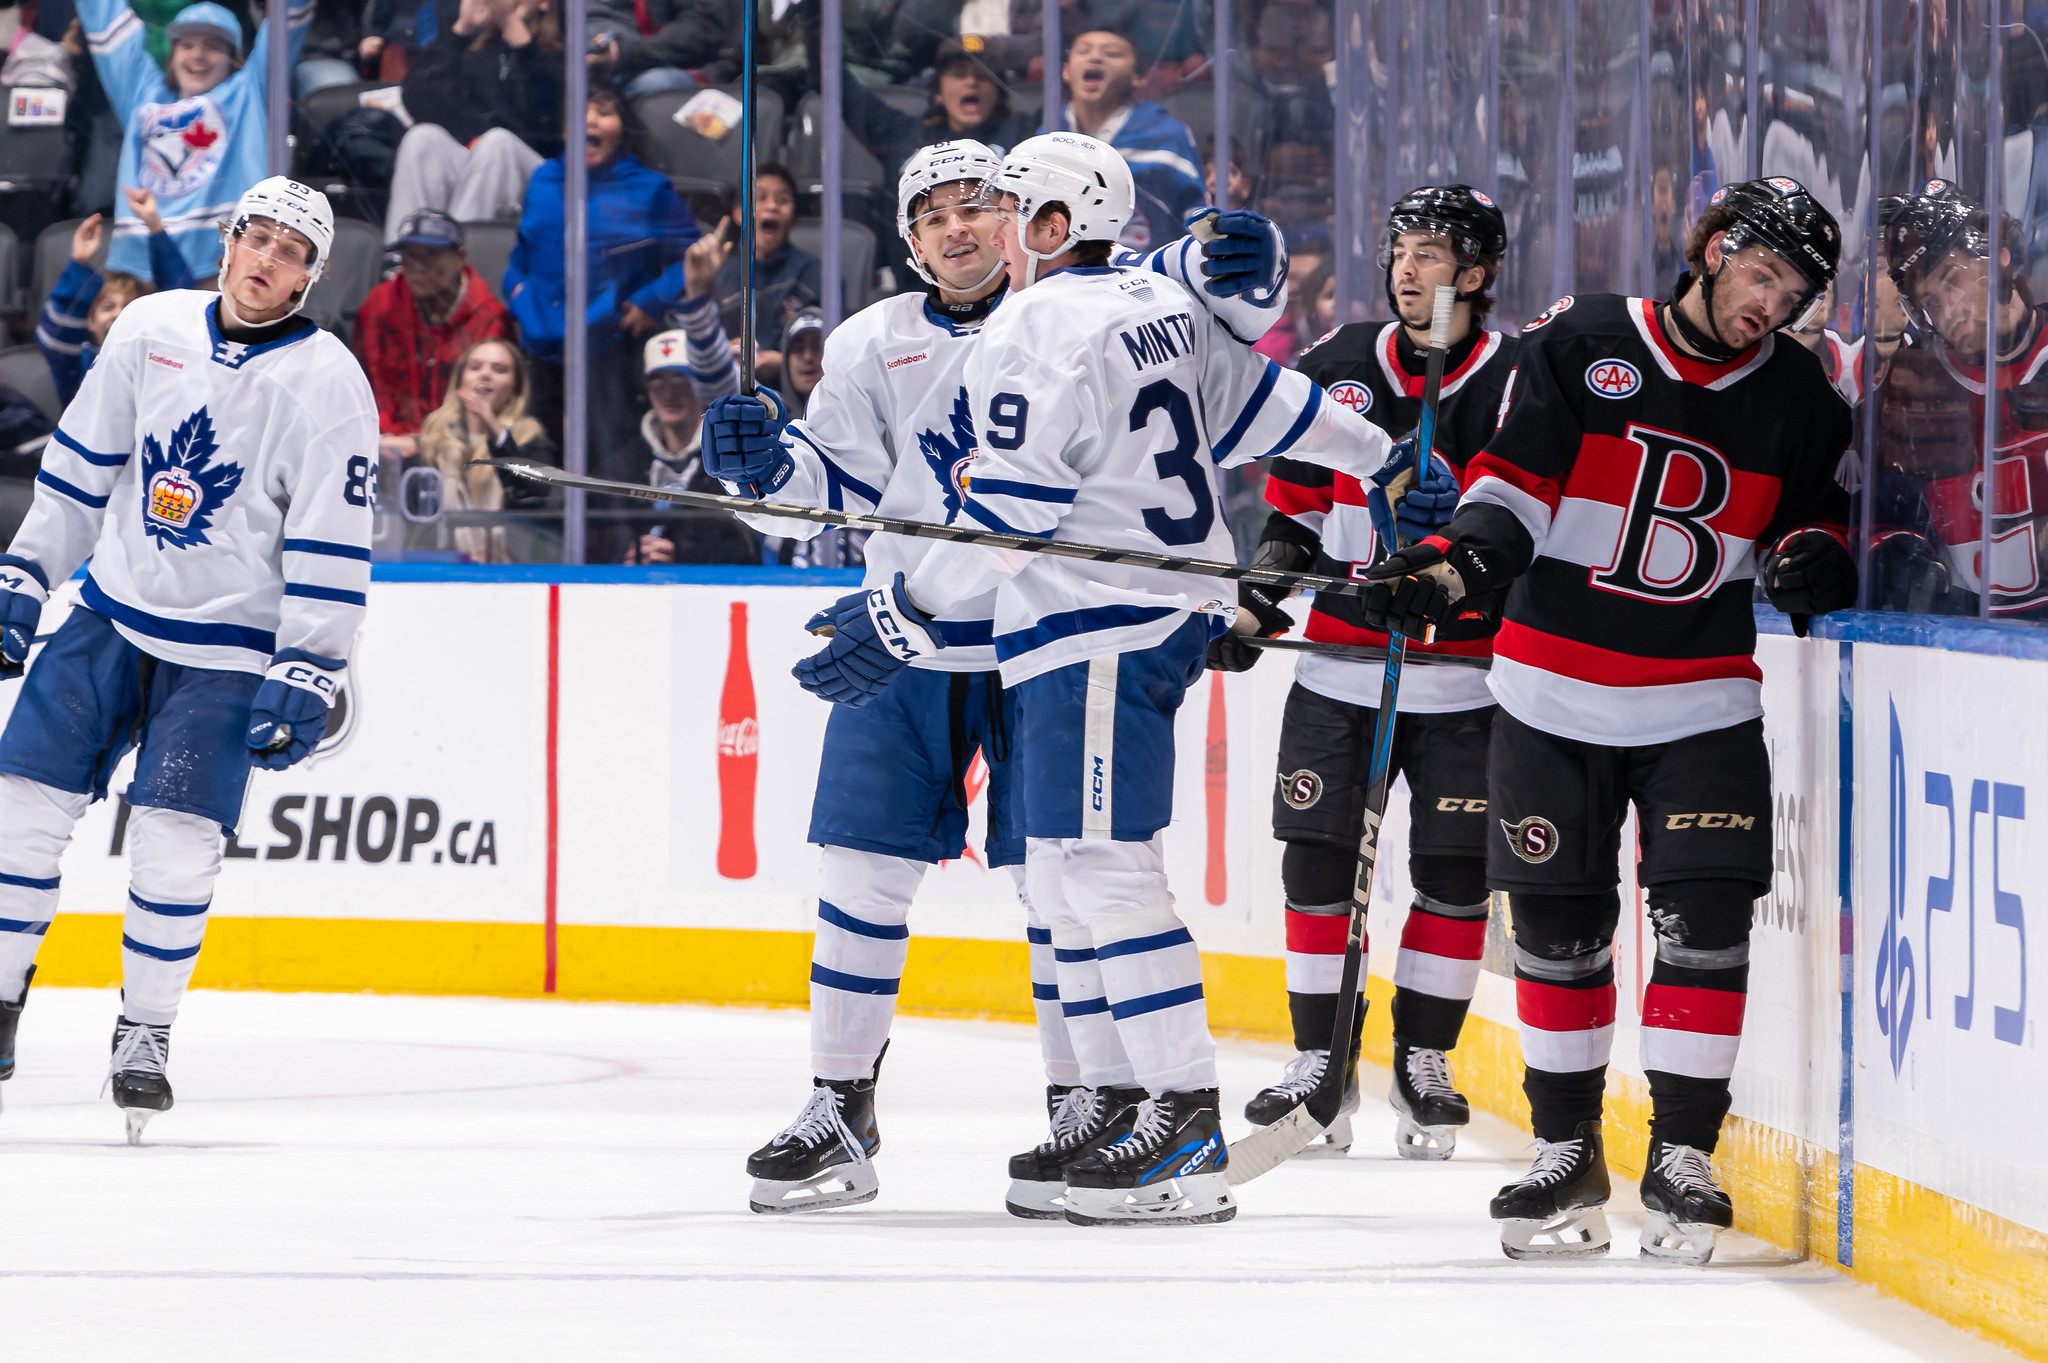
pixel 353 1177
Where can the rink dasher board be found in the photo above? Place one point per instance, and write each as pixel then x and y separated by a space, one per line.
pixel 450 686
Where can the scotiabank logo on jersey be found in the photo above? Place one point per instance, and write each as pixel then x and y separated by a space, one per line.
pixel 180 145
pixel 1683 513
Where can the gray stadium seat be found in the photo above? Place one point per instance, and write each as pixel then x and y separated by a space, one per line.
pixel 10 267
pixel 321 108
pixel 32 160
pixel 24 369
pixel 53 253
pixel 490 246
pixel 856 256
pixel 694 163
pixel 356 266
pixel 1195 105
pixel 860 171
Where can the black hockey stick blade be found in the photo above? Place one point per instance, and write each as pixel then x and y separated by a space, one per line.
pixel 960 534
pixel 1366 654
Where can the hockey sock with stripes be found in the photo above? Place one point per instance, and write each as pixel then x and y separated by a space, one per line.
pixel 857 957
pixel 38 820
pixel 173 859
pixel 1693 1005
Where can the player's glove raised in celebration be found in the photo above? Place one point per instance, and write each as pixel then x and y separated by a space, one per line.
pixel 875 633
pixel 742 446
pixel 289 715
pixel 22 593
pixel 1809 573
pixel 1243 255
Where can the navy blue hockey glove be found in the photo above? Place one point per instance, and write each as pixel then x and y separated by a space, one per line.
pixel 875 633
pixel 742 446
pixel 23 589
pixel 1243 254
pixel 1808 573
pixel 1259 611
pixel 289 715
pixel 1426 507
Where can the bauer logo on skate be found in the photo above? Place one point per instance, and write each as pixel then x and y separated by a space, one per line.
pixel 1534 839
pixel 1356 396
pixel 1613 378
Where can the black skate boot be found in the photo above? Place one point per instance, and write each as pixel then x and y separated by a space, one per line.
pixel 136 1072
pixel 1055 1099
pixel 1557 1210
pixel 1686 1207
pixel 825 1157
pixel 1168 1171
pixel 1087 1120
pixel 1302 1075
pixel 1431 1109
pixel 10 1023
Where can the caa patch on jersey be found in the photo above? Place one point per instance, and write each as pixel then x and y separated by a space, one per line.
pixel 1534 839
pixel 181 486
pixel 1551 313
pixel 1612 378
pixel 1352 394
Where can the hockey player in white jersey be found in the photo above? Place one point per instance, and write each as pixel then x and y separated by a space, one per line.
pixel 888 429
pixel 216 468
pixel 1103 399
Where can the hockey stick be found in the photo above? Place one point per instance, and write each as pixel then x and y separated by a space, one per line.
pixel 959 534
pixel 1365 654
pixel 748 21
pixel 1269 1147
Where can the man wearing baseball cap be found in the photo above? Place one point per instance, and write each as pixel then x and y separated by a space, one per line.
pixel 196 130
pixel 416 325
pixel 674 365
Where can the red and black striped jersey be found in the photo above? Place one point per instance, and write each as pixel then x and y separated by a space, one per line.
pixel 1375 369
pixel 1636 484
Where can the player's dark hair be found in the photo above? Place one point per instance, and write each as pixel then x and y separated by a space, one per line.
pixel 1719 218
pixel 633 141
pixel 1085 252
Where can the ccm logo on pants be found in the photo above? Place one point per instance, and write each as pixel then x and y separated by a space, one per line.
pixel 1452 804
pixel 1710 821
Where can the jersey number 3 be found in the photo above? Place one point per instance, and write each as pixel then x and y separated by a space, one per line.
pixel 1182 462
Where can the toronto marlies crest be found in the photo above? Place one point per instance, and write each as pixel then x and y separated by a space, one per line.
pixel 949 458
pixel 183 486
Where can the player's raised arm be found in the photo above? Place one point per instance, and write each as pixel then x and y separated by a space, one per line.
pixel 1257 410
pixel 1234 263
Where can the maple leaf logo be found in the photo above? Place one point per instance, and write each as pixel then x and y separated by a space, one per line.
pixel 949 458
pixel 182 489
pixel 199 137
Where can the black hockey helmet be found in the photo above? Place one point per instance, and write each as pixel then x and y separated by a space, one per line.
pixel 1777 212
pixel 1467 216
pixel 1926 228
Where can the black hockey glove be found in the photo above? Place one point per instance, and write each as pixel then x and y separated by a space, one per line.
pixel 1259 612
pixel 1809 573
pixel 1907 573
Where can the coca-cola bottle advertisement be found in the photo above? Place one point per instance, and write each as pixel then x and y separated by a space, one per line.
pixel 738 757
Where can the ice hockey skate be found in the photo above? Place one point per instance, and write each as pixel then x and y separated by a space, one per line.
pixel 1558 1209
pixel 136 1073
pixel 10 1023
pixel 1168 1171
pixel 825 1158
pixel 1297 1082
pixel 1084 1121
pixel 1431 1107
pixel 1684 1205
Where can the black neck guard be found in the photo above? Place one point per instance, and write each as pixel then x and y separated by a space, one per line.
pixel 966 314
pixel 1709 347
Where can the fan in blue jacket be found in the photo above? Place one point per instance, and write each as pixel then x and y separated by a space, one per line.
pixel 71 327
pixel 1100 70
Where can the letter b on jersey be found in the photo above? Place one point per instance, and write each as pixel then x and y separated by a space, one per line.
pixel 1666 550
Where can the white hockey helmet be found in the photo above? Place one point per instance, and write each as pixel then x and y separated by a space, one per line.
pixel 1083 173
pixel 289 204
pixel 942 163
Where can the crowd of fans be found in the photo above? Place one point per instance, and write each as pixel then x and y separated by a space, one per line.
pixel 437 129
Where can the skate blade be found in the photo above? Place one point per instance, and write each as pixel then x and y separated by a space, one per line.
pixel 1334 1143
pixel 1036 1201
pixel 1578 1233
pixel 138 1117
pixel 843 1185
pixel 1412 1140
pixel 1199 1199
pixel 1687 1243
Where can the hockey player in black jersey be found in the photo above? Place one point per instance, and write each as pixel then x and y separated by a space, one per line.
pixel 1654 459
pixel 1325 522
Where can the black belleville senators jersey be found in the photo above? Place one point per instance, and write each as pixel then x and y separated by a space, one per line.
pixel 1637 484
pixel 1374 369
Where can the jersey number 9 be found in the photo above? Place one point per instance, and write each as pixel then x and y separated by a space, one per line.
pixel 1007 413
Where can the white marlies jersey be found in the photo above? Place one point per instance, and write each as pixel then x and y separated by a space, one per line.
pixel 1104 400
pixel 221 490
pixel 888 430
